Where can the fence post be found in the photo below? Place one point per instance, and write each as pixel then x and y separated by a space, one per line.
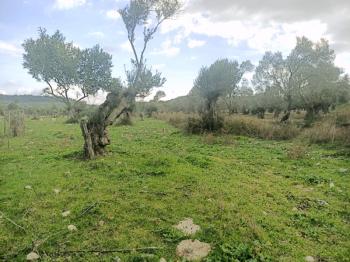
pixel 9 131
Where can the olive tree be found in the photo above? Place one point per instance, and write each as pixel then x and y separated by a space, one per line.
pixel 234 90
pixel 140 78
pixel 306 79
pixel 159 95
pixel 274 75
pixel 317 79
pixel 70 74
pixel 211 83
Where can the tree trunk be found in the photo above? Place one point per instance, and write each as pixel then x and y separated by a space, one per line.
pixel 286 116
pixel 94 130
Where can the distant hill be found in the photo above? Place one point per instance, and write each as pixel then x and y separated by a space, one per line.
pixel 30 101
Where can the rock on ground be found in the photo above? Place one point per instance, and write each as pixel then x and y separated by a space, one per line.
pixel 187 227
pixel 309 259
pixel 72 228
pixel 66 213
pixel 32 256
pixel 192 250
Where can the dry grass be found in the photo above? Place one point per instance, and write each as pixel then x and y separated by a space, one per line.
pixel 237 125
pixel 331 128
pixel 260 128
pixel 328 132
pixel 177 119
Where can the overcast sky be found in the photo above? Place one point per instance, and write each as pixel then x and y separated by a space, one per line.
pixel 204 31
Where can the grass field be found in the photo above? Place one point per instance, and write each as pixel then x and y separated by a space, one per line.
pixel 251 199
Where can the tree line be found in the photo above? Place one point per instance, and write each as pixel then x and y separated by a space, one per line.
pixel 307 79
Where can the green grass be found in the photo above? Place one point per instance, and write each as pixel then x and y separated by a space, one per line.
pixel 240 191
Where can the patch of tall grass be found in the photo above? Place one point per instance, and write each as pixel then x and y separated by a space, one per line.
pixel 331 128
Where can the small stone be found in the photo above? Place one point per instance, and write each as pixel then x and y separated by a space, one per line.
pixel 162 259
pixel 187 227
pixel 192 250
pixel 28 187
pixel 32 256
pixel 57 191
pixel 66 213
pixel 101 223
pixel 309 259
pixel 117 259
pixel 331 184
pixel 343 170
pixel 322 202
pixel 72 228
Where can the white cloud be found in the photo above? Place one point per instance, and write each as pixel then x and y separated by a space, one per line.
pixel 158 66
pixel 68 4
pixel 192 43
pixel 113 14
pixel 96 34
pixel 126 46
pixel 167 49
pixel 257 35
pixel 17 87
pixel 343 60
pixel 10 49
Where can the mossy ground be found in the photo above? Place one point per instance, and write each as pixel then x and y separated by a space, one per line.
pixel 240 191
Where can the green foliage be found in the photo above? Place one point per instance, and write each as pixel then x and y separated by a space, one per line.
pixel 216 80
pixel 94 71
pixel 151 109
pixel 143 80
pixel 306 79
pixel 138 13
pixel 159 95
pixel 237 253
pixel 212 82
pixel 65 68
pixel 13 106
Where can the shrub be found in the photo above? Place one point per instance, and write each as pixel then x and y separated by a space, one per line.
pixel 296 151
pixel 15 123
pixel 150 110
pixel 194 125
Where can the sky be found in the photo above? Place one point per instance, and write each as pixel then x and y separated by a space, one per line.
pixel 202 32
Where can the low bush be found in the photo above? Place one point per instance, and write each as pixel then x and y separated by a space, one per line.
pixel 297 151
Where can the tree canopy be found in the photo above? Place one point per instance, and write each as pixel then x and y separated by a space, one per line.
pixel 67 70
pixel 138 13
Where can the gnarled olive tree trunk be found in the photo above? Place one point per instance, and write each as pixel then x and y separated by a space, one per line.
pixel 94 129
